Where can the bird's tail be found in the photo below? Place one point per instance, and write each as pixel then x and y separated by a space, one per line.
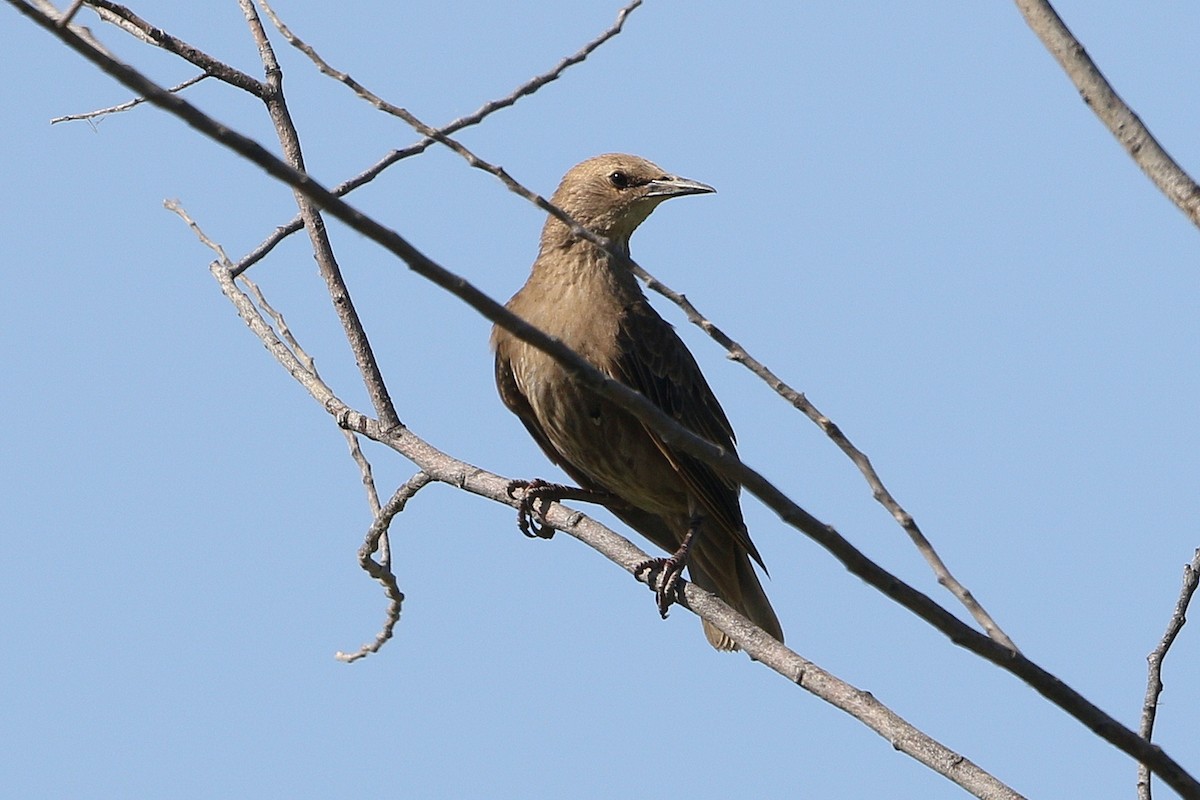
pixel 718 565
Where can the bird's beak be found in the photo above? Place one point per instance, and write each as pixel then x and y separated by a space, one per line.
pixel 674 186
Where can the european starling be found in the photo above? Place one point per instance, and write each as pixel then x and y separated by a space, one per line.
pixel 578 293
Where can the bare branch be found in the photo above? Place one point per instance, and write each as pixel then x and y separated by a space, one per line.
pixel 377 535
pixel 1154 684
pixel 525 89
pixel 1104 101
pixel 882 495
pixel 436 465
pixel 69 14
pixel 128 104
pixel 364 467
pixel 285 333
pixel 327 264
pixel 130 22
pixel 475 161
pixel 377 541
pixel 175 207
pixel 47 8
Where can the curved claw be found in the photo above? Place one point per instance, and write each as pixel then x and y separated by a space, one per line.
pixel 668 580
pixel 529 518
pixel 672 570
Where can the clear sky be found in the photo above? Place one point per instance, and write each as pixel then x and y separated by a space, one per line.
pixel 917 223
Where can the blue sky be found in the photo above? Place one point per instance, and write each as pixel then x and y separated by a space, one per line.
pixel 917 223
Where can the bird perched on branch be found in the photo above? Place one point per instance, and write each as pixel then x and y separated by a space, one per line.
pixel 581 294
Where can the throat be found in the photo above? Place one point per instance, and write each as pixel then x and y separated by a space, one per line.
pixel 585 271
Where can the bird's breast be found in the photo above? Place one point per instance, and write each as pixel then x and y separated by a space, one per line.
pixel 598 437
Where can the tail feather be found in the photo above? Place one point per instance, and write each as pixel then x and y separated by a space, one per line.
pixel 718 564
pixel 738 585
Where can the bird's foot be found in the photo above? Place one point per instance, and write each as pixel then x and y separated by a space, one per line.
pixel 536 496
pixel 670 570
pixel 529 516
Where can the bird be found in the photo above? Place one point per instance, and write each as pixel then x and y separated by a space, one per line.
pixel 580 293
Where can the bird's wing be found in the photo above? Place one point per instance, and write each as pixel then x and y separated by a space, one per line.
pixel 648 524
pixel 654 361
pixel 514 398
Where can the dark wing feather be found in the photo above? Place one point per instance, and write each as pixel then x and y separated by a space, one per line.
pixel 649 525
pixel 654 361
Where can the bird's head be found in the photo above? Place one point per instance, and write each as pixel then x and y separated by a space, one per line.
pixel 612 194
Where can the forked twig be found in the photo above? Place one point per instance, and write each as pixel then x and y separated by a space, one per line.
pixel 376 541
pixel 126 105
pixel 1154 661
pixel 377 535
pixel 70 13
pixel 134 25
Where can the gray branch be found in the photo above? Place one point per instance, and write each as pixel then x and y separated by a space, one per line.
pixel 1154 683
pixel 1104 101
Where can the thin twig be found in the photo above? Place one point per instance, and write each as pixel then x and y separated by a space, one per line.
pixel 127 105
pixel 1104 101
pixel 488 108
pixel 454 145
pixel 1154 684
pixel 70 13
pixel 381 570
pixel 130 22
pixel 176 207
pixel 529 87
pixel 285 333
pixel 364 468
pixel 377 535
pixel 48 8
pixel 314 223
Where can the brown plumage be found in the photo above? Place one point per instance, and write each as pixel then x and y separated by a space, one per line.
pixel 580 294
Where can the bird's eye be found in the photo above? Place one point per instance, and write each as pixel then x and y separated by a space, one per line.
pixel 619 179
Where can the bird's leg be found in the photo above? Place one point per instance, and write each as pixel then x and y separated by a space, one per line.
pixel 536 496
pixel 672 568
